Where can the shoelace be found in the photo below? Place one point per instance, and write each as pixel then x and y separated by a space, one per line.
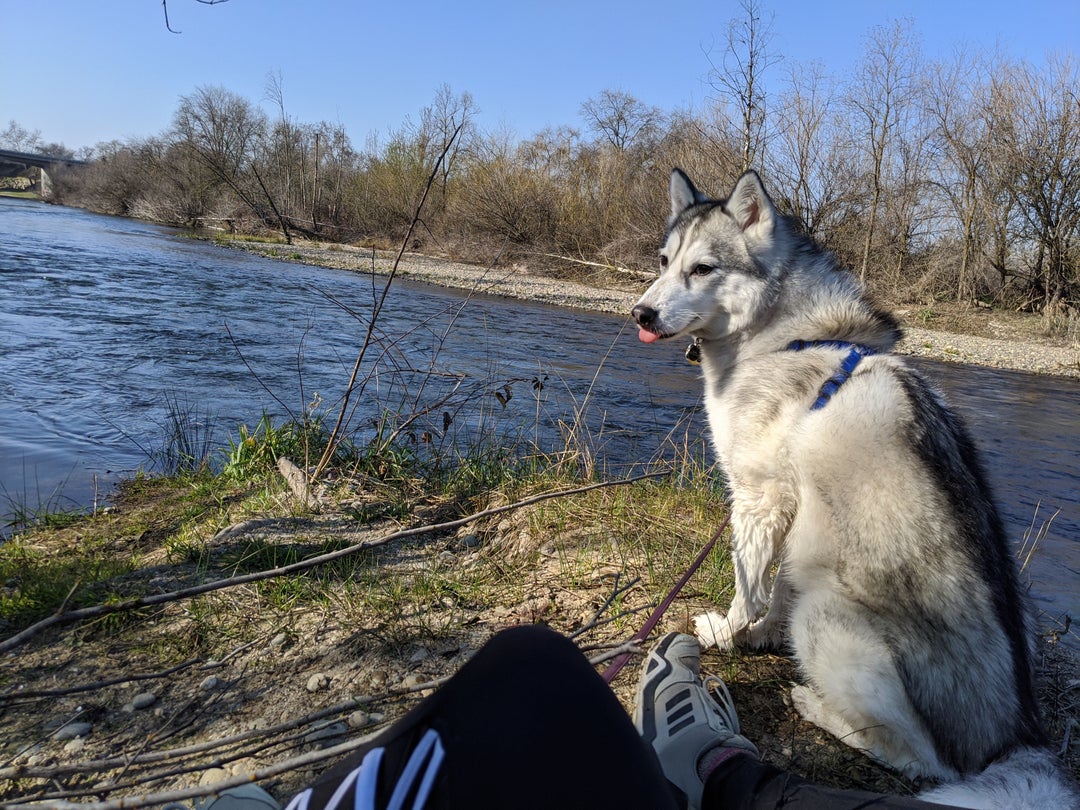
pixel 725 706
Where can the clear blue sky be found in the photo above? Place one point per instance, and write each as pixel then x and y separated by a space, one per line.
pixel 84 71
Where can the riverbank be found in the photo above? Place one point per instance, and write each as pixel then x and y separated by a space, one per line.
pixel 945 332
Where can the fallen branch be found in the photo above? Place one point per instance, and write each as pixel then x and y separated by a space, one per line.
pixel 296 479
pixel 641 275
pixel 258 576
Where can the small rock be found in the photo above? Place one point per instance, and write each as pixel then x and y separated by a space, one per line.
pixel 209 683
pixel 71 731
pixel 213 775
pixel 35 759
pixel 421 654
pixel 278 640
pixel 412 680
pixel 316 682
pixel 359 719
pixel 74 746
pixel 470 541
pixel 143 700
pixel 243 767
pixel 379 678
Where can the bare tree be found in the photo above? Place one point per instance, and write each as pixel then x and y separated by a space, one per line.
pixel 805 156
pixel 739 78
pixel 19 139
pixel 226 132
pixel 1038 136
pixel 881 94
pixel 959 108
pixel 621 120
pixel 447 123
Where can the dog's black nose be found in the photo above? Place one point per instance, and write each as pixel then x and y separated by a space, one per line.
pixel 645 316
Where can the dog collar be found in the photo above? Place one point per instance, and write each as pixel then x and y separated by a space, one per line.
pixel 855 354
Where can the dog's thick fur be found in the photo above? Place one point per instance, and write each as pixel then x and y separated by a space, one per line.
pixel 896 586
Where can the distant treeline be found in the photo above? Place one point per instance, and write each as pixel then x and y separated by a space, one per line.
pixel 957 180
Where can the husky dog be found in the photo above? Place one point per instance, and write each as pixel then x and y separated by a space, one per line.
pixel 896 587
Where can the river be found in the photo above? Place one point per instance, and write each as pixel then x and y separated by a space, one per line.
pixel 103 320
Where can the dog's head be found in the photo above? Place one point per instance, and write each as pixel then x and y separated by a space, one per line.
pixel 719 266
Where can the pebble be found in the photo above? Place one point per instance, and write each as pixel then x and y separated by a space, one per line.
pixel 74 746
pixel 244 767
pixel 213 775
pixel 209 683
pixel 415 679
pixel 71 731
pixel 359 719
pixel 421 654
pixel 143 700
pixel 278 641
pixel 316 682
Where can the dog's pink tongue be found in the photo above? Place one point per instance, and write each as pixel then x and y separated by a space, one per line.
pixel 645 336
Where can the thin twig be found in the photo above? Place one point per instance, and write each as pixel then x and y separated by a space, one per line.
pixel 91 687
pixel 596 621
pixel 336 435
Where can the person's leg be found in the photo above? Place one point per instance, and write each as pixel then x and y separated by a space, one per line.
pixel 695 735
pixel 526 723
pixel 745 783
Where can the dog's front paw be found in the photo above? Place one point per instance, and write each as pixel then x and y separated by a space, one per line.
pixel 712 628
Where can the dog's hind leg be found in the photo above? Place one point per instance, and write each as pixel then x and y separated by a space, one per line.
pixel 855 691
pixel 759 523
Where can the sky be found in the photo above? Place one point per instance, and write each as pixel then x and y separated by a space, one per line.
pixel 87 71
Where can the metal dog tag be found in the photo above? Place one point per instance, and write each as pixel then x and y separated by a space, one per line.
pixel 693 353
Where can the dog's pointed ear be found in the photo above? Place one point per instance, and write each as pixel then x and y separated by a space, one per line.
pixel 683 193
pixel 750 207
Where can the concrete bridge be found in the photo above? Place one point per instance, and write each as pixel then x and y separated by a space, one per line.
pixel 13 163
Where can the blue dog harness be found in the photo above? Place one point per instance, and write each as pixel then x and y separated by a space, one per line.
pixel 847 365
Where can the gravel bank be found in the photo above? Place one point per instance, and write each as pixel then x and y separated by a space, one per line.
pixel 517 282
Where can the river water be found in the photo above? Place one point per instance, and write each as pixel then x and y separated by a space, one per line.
pixel 104 320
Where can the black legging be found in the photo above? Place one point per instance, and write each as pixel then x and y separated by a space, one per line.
pixel 527 723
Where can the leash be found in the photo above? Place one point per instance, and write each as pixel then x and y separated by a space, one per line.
pixel 620 661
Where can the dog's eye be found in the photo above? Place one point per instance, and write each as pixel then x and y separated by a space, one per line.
pixel 701 270
pixel 663 261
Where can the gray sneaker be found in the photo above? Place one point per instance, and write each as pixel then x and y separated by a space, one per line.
pixel 678 716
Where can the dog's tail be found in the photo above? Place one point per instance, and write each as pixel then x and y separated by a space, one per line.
pixel 1027 778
